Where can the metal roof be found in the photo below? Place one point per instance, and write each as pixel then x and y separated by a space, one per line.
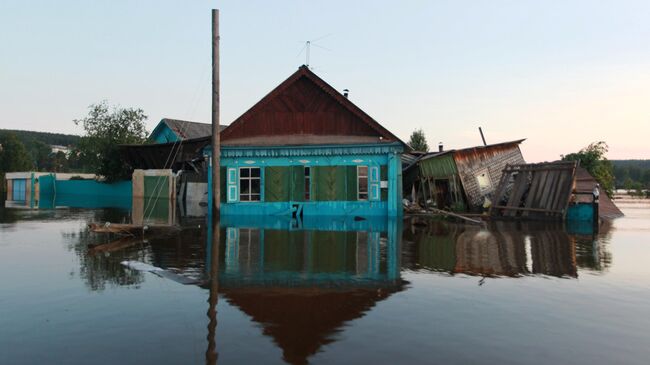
pixel 186 129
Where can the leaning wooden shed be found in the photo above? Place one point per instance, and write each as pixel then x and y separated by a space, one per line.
pixel 464 179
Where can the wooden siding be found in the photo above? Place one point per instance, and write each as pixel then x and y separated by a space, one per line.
pixel 539 191
pixel 302 108
pixel 305 105
pixel 473 162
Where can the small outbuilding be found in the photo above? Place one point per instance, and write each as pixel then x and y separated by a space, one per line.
pixel 462 179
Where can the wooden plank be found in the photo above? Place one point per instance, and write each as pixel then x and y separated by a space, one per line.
pixel 451 214
pixel 528 209
pixel 532 192
pixel 520 187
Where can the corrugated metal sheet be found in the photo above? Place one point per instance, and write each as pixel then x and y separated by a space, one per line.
pixel 441 166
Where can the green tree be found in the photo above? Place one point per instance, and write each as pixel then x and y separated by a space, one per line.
pixel 59 162
pixel 13 156
pixel 106 128
pixel 418 141
pixel 592 158
pixel 41 155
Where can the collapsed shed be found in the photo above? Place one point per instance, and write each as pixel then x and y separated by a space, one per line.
pixel 551 190
pixel 463 179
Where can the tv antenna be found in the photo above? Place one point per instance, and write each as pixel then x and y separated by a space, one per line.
pixel 307 47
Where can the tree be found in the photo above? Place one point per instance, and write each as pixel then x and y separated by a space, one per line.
pixel 106 128
pixel 592 158
pixel 418 141
pixel 13 156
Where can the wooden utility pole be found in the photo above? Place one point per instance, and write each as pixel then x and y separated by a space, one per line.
pixel 216 142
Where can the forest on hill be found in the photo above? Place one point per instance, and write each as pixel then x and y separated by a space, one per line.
pixel 632 174
pixel 31 151
pixel 58 139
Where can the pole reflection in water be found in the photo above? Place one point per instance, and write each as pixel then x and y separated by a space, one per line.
pixel 212 251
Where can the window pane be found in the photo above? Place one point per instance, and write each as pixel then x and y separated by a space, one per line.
pixel 362 170
pixel 244 186
pixel 255 197
pixel 307 171
pixel 255 171
pixel 255 186
pixel 363 184
pixel 244 172
pixel 244 198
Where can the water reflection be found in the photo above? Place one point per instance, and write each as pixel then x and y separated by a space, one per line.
pixel 502 249
pixel 304 281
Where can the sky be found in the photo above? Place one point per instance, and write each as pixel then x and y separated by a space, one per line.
pixel 561 74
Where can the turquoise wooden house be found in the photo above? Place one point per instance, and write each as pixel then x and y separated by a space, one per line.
pixel 174 130
pixel 306 149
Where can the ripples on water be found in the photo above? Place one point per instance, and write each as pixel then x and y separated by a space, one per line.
pixel 323 290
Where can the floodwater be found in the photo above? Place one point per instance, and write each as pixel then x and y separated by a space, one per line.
pixel 323 291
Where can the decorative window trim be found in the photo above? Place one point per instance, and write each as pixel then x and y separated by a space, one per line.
pixel 232 185
pixel 374 193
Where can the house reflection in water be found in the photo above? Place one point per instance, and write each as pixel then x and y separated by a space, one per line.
pixel 303 280
pixel 503 249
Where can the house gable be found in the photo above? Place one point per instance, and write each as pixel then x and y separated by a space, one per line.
pixel 305 110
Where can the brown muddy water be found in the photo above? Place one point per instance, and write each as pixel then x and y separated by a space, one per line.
pixel 323 291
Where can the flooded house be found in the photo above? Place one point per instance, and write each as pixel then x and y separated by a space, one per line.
pixel 306 149
pixel 460 179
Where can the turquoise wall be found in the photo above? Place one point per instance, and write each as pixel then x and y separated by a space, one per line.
pixel 580 212
pixel 375 156
pixel 83 193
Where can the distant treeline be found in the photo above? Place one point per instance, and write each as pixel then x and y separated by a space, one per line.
pixel 58 139
pixel 32 151
pixel 632 174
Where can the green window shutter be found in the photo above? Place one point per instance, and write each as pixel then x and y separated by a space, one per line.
pixel 351 183
pixel 232 182
pixel 323 184
pixel 276 183
pixel 340 191
pixel 373 183
pixel 298 183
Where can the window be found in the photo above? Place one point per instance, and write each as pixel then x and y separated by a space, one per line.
pixel 362 182
pixel 307 182
pixel 249 184
pixel 483 181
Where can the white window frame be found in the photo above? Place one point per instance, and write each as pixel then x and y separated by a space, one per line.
pixel 250 179
pixel 359 176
